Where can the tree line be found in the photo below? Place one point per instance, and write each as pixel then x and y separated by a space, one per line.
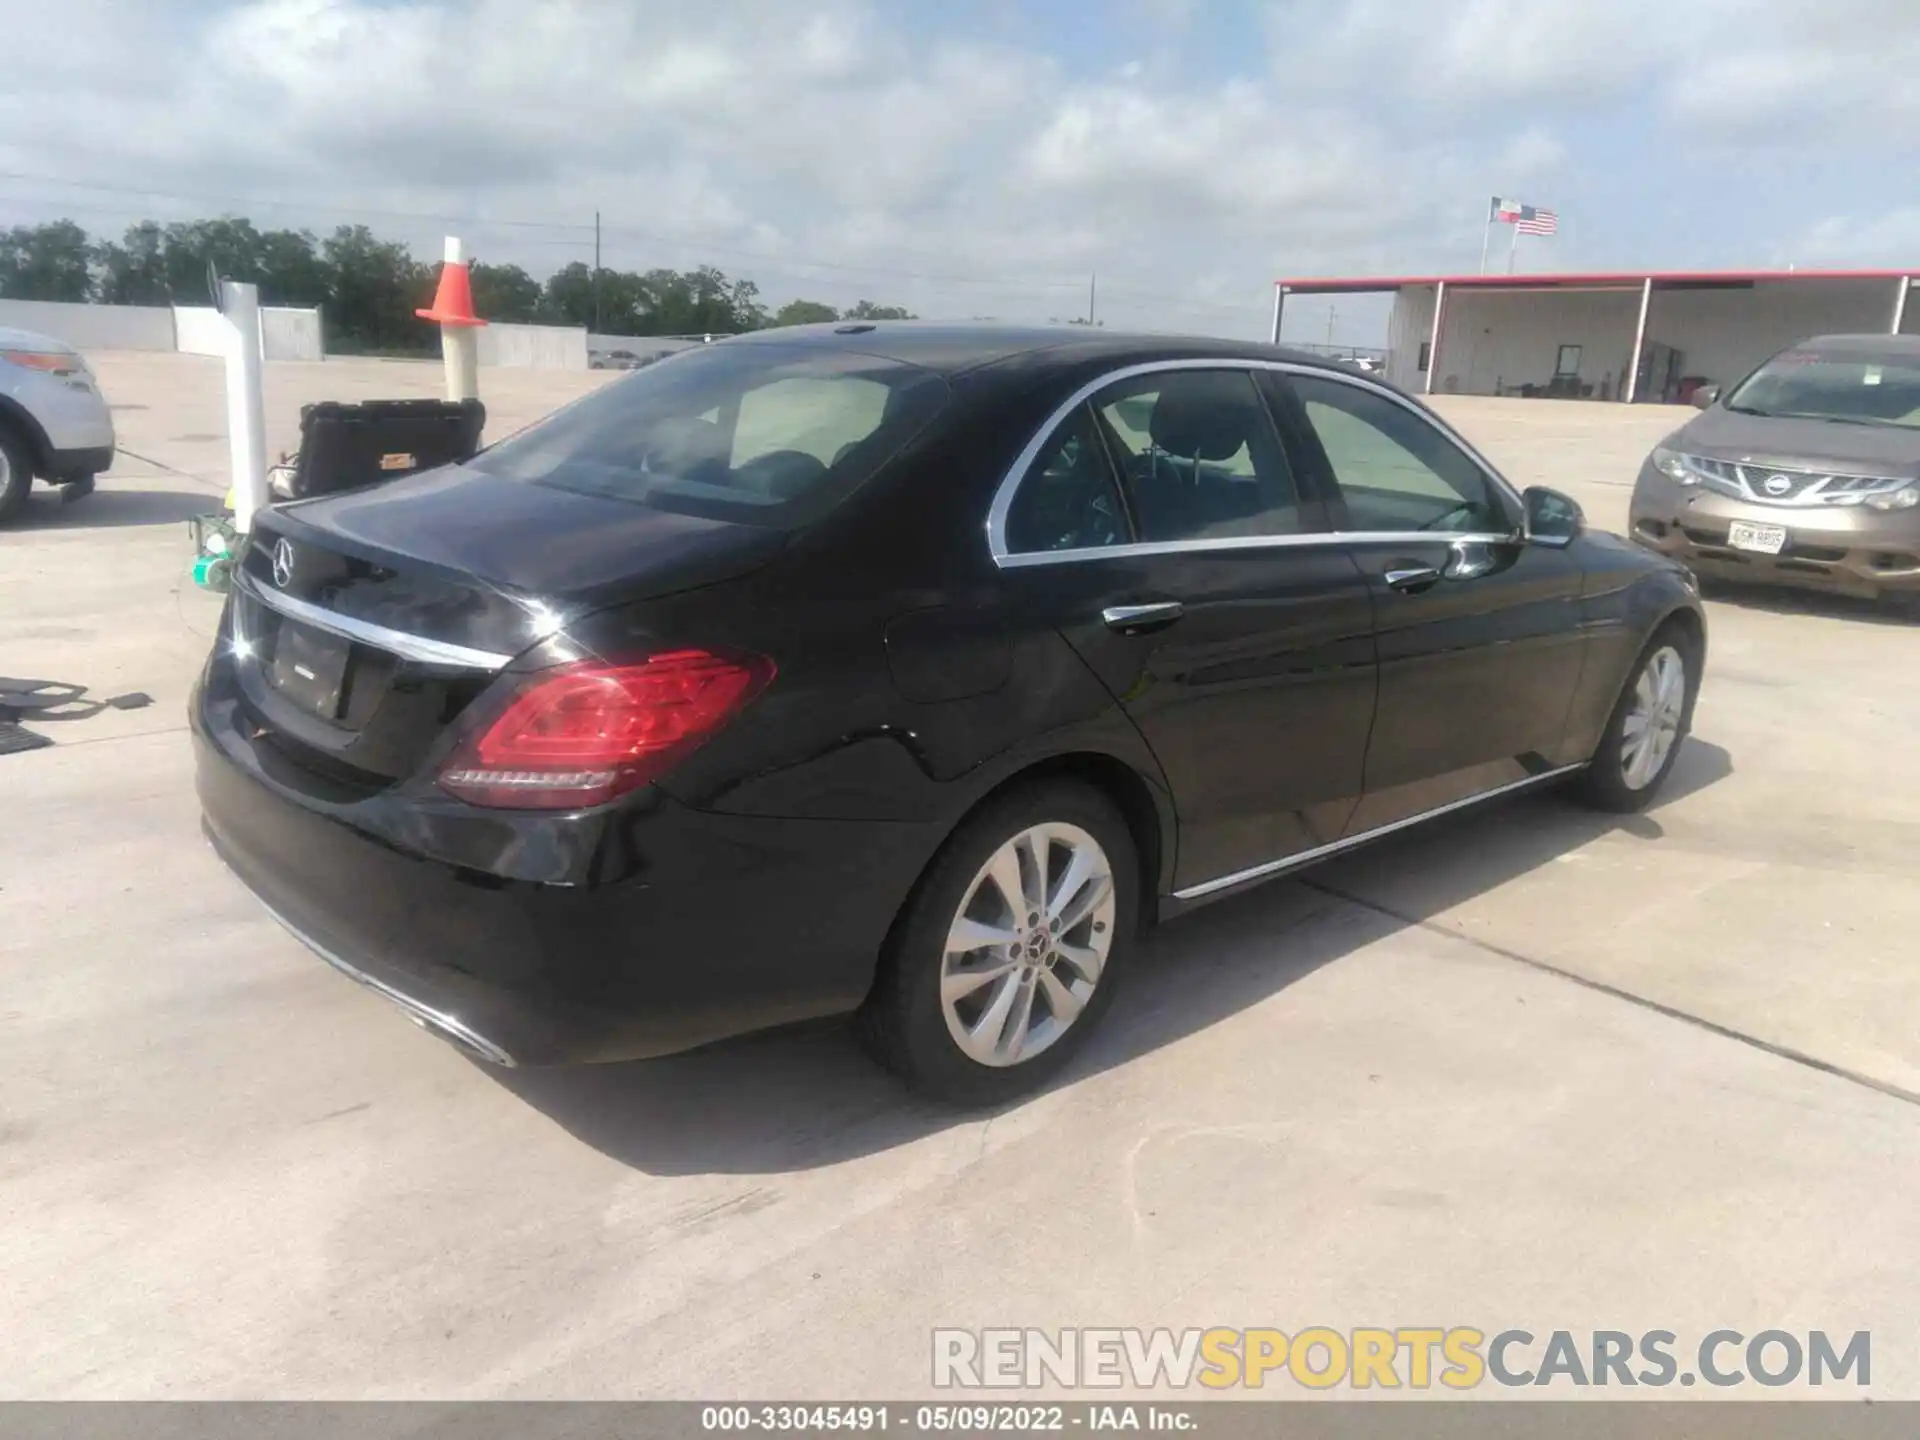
pixel 369 287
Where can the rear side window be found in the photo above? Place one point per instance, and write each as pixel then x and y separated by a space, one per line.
pixel 764 433
pixel 1068 500
pixel 1201 456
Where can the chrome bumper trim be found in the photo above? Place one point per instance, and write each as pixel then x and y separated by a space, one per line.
pixel 447 1026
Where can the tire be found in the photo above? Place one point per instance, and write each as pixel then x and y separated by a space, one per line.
pixel 16 474
pixel 1623 777
pixel 918 1034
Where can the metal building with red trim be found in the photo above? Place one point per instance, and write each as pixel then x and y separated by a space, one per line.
pixel 1648 336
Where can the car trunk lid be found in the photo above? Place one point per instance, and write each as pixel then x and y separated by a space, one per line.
pixel 368 621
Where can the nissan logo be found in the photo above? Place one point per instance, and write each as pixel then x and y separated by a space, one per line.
pixel 282 564
pixel 1773 485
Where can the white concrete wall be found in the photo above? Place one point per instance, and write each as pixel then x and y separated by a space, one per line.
pixel 1493 338
pixel 534 347
pixel 93 327
pixel 290 334
pixel 1724 334
pixel 641 345
pixel 285 333
pixel 1407 327
pixel 199 330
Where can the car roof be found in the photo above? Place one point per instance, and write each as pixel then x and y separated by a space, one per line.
pixel 1902 347
pixel 953 349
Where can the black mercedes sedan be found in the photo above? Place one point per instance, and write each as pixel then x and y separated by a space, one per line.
pixel 903 671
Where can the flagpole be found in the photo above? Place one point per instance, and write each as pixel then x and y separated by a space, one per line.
pixel 1486 238
pixel 1514 248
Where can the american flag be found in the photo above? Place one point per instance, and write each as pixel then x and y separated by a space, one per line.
pixel 1532 221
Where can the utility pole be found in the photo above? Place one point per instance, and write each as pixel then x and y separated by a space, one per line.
pixel 1092 281
pixel 596 272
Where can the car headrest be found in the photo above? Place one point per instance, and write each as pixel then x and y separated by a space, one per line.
pixel 1193 424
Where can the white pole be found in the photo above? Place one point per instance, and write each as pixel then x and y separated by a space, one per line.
pixel 1639 342
pixel 1279 300
pixel 1513 248
pixel 246 401
pixel 459 344
pixel 1433 335
pixel 1486 238
pixel 1900 304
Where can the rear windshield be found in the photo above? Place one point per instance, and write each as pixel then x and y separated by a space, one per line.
pixel 765 433
pixel 1848 388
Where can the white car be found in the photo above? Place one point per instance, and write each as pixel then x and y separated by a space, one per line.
pixel 54 422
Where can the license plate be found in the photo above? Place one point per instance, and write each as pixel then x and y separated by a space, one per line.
pixel 309 667
pixel 1761 539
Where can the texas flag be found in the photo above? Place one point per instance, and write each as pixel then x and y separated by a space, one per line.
pixel 1528 219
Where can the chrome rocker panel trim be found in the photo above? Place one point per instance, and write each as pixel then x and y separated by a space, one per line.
pixel 1321 852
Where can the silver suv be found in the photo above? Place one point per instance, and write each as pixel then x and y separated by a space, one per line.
pixel 54 422
pixel 1807 475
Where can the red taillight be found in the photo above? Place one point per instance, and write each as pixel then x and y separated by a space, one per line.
pixel 581 734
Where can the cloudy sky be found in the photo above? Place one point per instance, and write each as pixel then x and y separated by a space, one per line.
pixel 984 157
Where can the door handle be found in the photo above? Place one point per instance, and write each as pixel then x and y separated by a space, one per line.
pixel 1413 577
pixel 1139 619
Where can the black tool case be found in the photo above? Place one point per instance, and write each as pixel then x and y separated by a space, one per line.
pixel 345 446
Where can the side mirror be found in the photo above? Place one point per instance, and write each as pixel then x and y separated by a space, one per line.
pixel 1552 518
pixel 1705 396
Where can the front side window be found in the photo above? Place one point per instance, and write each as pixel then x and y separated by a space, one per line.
pixel 1200 456
pixel 765 433
pixel 1814 385
pixel 1394 470
pixel 1068 500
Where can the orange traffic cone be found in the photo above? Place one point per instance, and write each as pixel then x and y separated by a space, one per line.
pixel 453 300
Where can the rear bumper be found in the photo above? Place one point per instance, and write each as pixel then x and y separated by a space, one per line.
pixel 706 926
pixel 72 415
pixel 77 464
pixel 1849 550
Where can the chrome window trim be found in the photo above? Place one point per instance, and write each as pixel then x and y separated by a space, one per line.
pixel 1010 482
pixel 1311 540
pixel 399 642
pixel 1321 852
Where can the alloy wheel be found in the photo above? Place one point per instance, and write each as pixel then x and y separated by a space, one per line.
pixel 1026 948
pixel 1653 720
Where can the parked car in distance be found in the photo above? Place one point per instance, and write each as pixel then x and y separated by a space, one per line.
pixel 54 422
pixel 1807 473
pixel 901 670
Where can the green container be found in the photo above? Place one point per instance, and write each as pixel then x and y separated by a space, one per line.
pixel 213 572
